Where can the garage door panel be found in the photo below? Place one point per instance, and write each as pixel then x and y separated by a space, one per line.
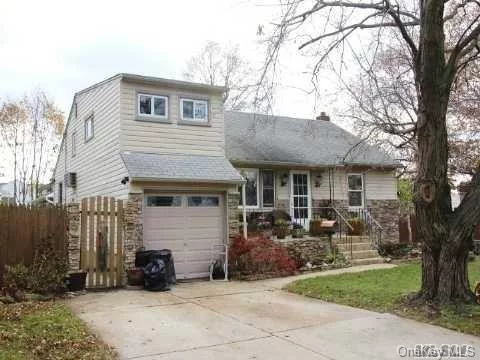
pixel 189 231
pixel 173 245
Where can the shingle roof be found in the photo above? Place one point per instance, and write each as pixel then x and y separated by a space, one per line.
pixel 177 167
pixel 253 138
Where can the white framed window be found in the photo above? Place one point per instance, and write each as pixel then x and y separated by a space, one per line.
pixel 355 190
pixel 268 188
pixel 89 128
pixel 251 188
pixel 152 106
pixel 194 110
pixel 74 144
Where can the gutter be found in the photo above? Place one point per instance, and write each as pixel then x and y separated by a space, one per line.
pixel 183 180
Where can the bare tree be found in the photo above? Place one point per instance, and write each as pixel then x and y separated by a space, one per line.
pixel 224 66
pixel 12 119
pixel 31 128
pixel 440 39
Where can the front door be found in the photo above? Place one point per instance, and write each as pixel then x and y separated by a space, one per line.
pixel 300 209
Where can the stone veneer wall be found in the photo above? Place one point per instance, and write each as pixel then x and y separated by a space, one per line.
pixel 233 214
pixel 312 250
pixel 73 236
pixel 133 228
pixel 387 213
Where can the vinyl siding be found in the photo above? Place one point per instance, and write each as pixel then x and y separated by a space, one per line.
pixel 379 185
pixel 172 137
pixel 97 162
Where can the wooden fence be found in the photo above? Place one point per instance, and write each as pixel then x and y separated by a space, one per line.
pixel 101 241
pixel 23 227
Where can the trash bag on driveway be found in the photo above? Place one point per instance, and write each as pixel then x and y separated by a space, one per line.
pixel 155 276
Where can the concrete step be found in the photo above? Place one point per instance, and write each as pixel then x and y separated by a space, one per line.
pixel 362 254
pixel 367 261
pixel 355 247
pixel 357 239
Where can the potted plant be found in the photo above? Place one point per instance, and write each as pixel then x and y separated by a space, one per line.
pixel 358 226
pixel 297 231
pixel 281 228
pixel 135 276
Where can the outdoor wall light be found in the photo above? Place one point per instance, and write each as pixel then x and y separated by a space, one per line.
pixel 318 180
pixel 284 180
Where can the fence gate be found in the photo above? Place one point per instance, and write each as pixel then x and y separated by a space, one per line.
pixel 101 241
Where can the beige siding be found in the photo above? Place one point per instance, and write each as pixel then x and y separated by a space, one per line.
pixel 381 185
pixel 156 137
pixel 97 162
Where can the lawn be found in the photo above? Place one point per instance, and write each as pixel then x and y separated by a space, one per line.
pixel 383 290
pixel 47 330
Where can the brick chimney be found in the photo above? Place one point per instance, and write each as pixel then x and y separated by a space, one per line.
pixel 323 116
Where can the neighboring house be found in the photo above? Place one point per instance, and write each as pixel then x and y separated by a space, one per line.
pixel 169 147
pixel 23 192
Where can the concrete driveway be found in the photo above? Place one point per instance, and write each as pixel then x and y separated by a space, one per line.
pixel 249 320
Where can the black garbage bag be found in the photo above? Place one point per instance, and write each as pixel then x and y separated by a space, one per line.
pixel 167 257
pixel 155 276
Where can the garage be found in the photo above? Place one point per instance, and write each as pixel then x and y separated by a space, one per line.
pixel 189 224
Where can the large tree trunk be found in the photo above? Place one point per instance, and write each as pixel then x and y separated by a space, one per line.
pixel 445 245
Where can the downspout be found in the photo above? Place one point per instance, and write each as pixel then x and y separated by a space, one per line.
pixel 244 211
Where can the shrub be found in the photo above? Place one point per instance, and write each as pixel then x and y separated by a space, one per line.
pixel 49 269
pixel 358 226
pixel 17 276
pixel 259 256
pixel 394 250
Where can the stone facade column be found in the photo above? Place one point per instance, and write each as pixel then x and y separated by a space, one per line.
pixel 233 213
pixel 73 237
pixel 133 228
pixel 387 213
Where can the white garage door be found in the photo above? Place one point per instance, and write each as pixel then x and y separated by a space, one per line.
pixel 187 224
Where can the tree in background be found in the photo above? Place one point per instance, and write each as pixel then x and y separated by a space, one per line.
pixel 31 129
pixel 224 66
pixel 440 42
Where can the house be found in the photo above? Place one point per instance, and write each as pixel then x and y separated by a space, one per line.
pixel 169 147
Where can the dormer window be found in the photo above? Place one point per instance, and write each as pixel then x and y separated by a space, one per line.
pixel 194 110
pixel 152 106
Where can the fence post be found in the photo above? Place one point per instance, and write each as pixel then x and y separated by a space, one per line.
pixel 73 236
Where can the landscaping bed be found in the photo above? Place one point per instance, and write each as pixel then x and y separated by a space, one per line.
pixel 384 291
pixel 47 330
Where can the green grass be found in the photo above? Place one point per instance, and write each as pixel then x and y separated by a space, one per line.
pixel 383 290
pixel 47 330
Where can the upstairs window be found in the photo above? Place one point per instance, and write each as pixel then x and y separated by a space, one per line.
pixel 74 144
pixel 152 106
pixel 194 110
pixel 89 128
pixel 355 190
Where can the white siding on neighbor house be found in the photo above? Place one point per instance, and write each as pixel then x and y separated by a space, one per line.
pixel 97 162
pixel 172 137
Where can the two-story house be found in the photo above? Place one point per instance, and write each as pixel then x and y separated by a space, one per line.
pixel 169 146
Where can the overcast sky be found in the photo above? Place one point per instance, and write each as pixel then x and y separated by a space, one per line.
pixel 64 46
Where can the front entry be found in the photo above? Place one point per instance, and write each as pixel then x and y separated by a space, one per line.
pixel 187 223
pixel 300 201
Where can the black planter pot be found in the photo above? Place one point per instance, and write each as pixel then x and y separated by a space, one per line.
pixel 76 281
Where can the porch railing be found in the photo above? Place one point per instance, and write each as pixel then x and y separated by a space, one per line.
pixel 373 229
